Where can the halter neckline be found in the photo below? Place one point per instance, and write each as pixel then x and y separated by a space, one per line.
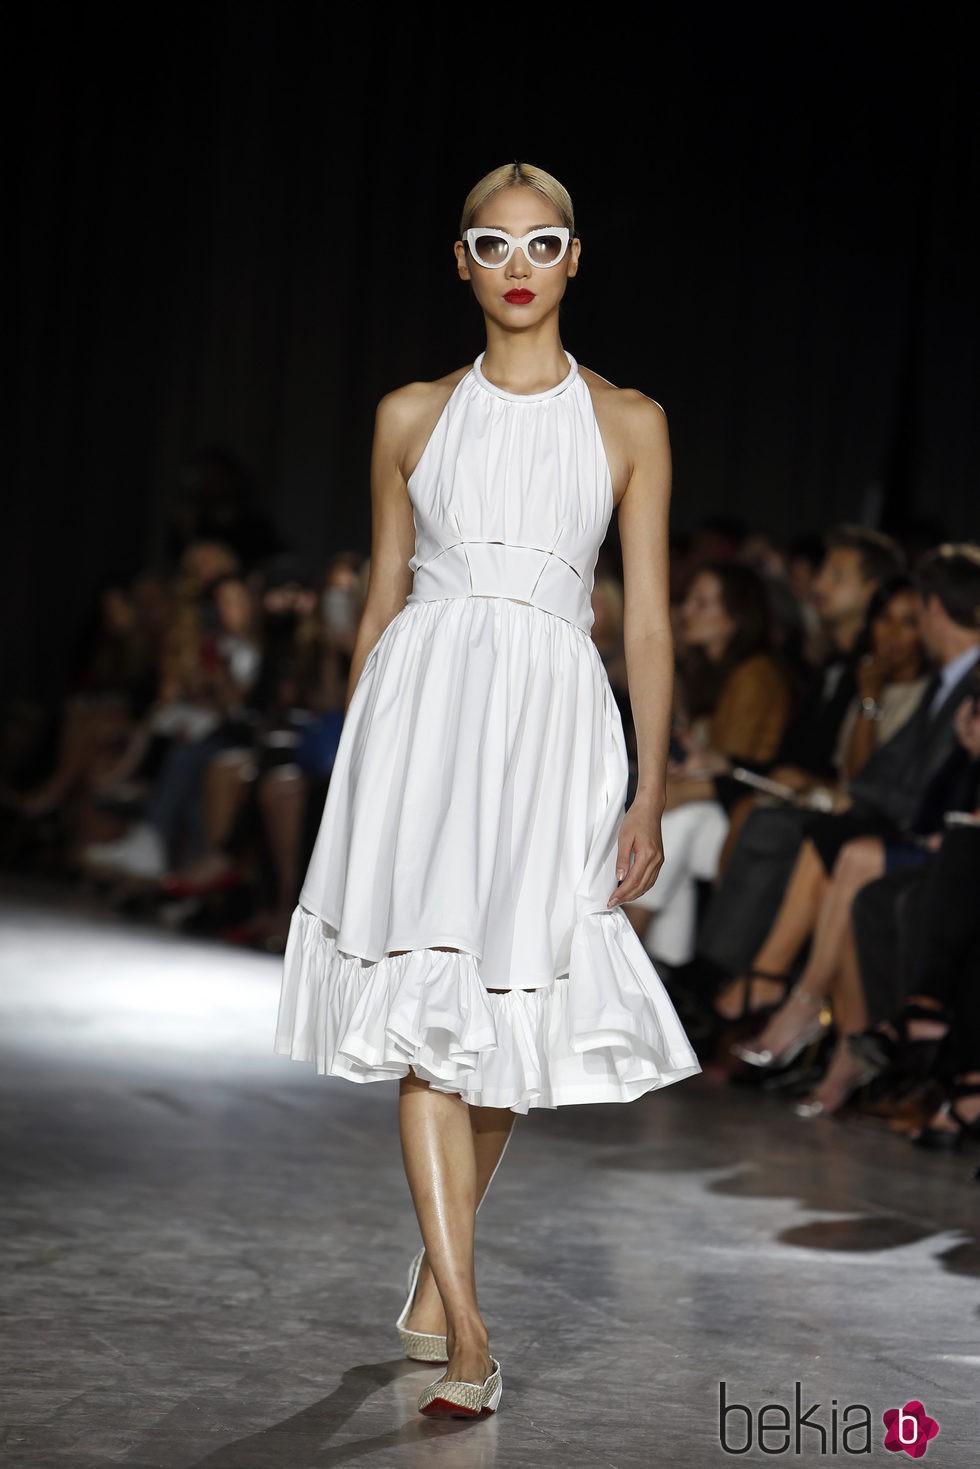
pixel 498 392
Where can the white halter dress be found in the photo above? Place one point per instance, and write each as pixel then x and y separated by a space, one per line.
pixel 477 795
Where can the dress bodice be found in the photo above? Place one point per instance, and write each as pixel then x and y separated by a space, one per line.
pixel 512 497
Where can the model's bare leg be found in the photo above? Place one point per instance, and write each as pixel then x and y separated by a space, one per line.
pixel 440 1164
pixel 859 862
pixel 792 927
pixel 490 1131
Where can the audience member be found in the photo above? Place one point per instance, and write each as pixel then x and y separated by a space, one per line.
pixel 891 681
pixel 217 680
pixel 832 971
pixel 113 684
pixel 900 797
pixel 766 837
pixel 733 702
pixel 259 795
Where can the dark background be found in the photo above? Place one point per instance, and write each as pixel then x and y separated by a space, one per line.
pixel 236 223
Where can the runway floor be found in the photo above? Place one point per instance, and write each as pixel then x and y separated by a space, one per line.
pixel 206 1245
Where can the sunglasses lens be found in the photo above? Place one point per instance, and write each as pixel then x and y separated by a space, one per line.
pixel 489 249
pixel 544 249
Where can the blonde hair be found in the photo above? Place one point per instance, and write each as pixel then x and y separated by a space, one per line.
pixel 523 175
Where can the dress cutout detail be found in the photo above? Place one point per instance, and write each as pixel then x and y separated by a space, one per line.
pixel 477 794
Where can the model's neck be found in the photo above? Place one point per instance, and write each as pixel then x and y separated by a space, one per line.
pixel 525 362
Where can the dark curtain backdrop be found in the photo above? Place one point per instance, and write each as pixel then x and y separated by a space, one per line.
pixel 235 226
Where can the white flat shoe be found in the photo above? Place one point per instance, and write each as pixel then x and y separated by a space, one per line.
pixel 463 1399
pixel 416 1344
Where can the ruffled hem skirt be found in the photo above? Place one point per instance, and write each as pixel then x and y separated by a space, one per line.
pixel 604 1032
pixel 475 804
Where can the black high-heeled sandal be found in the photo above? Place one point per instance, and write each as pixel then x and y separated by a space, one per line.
pixel 901 1056
pixel 759 1012
pixel 941 1138
pixel 717 1031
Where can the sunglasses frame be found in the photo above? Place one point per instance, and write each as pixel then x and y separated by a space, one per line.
pixel 521 242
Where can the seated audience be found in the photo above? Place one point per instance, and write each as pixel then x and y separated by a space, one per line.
pixel 930 1043
pixel 765 836
pixel 117 671
pixel 267 799
pixel 734 700
pixel 877 827
pixel 213 662
pixel 891 680
pixel 833 971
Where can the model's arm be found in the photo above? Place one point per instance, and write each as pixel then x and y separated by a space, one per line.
pixel 392 529
pixel 648 642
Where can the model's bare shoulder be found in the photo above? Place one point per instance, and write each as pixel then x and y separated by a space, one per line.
pixel 406 416
pixel 633 428
pixel 416 399
pixel 629 401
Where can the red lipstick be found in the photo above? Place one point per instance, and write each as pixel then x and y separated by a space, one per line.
pixel 519 298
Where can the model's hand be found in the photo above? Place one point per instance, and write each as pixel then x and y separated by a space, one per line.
pixel 641 841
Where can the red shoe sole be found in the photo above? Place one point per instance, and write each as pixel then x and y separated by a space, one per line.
pixel 439 1408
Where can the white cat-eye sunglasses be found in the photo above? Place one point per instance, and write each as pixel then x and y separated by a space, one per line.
pixel 493 248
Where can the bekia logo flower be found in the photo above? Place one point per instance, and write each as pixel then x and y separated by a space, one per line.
pixel 909 1429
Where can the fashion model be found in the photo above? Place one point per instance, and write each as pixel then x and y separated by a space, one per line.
pixel 460 925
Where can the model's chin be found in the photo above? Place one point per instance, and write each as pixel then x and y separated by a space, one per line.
pixel 515 316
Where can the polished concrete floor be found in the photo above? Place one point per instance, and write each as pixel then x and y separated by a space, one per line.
pixel 205 1247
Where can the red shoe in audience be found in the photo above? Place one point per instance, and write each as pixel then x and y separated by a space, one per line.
pixel 209 877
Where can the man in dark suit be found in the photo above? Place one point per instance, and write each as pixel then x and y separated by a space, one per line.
pixel 882 910
pixel 883 799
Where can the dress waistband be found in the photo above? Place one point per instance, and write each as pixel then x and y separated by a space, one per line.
pixel 494 569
